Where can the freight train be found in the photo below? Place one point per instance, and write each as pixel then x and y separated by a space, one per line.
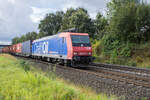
pixel 67 48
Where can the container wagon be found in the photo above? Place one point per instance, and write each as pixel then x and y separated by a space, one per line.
pixel 27 48
pixel 11 49
pixel 5 50
pixel 18 49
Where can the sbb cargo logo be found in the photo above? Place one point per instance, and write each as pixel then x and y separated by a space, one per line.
pixel 45 47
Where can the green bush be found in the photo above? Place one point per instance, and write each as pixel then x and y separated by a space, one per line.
pixel 109 42
pixel 97 48
pixel 25 65
pixel 147 66
pixel 144 99
pixel 125 50
pixel 116 51
pixel 139 59
pixel 1 97
pixel 113 46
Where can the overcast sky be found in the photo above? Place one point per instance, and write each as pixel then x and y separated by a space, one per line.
pixel 18 17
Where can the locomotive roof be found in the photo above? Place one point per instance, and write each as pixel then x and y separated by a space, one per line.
pixel 52 36
pixel 45 38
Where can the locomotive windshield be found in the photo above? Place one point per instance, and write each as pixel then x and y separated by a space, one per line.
pixel 77 40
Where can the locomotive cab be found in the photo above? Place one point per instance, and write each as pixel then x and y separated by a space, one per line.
pixel 81 48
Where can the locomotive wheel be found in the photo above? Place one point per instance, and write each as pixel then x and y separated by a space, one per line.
pixel 68 63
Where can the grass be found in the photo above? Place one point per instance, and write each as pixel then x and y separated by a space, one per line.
pixel 19 82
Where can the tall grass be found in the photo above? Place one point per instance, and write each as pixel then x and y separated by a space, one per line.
pixel 18 82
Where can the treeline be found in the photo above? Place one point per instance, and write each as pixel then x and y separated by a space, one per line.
pixel 58 22
pixel 129 23
pixel 125 21
pixel 128 26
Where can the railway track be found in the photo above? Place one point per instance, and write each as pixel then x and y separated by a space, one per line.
pixel 135 76
pixel 129 69
pixel 121 76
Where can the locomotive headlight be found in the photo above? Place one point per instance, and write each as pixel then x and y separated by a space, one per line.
pixel 90 53
pixel 75 53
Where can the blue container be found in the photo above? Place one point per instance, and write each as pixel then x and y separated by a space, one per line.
pixel 26 48
pixel 51 46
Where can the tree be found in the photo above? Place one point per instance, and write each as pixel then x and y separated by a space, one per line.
pixel 51 23
pixel 100 24
pixel 79 19
pixel 115 5
pixel 23 38
pixel 66 19
pixel 143 22
pixel 15 40
pixel 31 36
pixel 130 22
pixel 40 35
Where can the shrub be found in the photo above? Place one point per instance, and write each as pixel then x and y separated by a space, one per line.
pixel 97 48
pixel 139 59
pixel 144 99
pixel 125 50
pixel 1 97
pixel 25 65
